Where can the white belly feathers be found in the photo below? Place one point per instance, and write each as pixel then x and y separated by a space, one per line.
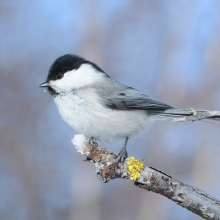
pixel 92 120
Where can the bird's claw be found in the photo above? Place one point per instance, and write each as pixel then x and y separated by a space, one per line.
pixel 123 154
pixel 92 142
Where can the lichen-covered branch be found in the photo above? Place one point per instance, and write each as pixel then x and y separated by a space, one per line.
pixel 150 179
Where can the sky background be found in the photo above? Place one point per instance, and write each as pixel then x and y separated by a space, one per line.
pixel 169 50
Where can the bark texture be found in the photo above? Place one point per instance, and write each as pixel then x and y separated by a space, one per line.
pixel 151 179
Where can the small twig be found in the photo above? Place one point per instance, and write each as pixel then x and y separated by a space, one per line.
pixel 151 179
pixel 199 115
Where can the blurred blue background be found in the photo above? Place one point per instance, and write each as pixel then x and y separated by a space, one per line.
pixel 169 50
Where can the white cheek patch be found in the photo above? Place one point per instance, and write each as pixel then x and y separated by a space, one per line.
pixel 75 79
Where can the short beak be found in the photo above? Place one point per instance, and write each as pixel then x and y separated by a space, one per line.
pixel 44 84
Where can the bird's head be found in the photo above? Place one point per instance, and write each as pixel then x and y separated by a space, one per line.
pixel 71 72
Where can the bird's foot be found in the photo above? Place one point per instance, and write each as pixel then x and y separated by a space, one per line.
pixel 92 142
pixel 123 154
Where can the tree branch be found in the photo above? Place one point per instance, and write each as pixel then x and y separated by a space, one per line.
pixel 151 179
pixel 199 115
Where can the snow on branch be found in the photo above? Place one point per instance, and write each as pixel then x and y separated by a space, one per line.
pixel 148 178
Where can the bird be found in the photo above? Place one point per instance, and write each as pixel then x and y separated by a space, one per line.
pixel 99 107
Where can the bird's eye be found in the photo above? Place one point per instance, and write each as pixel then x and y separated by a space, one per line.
pixel 59 76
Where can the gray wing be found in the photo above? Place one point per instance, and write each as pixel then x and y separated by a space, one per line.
pixel 120 97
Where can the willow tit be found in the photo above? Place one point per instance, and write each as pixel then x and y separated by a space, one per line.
pixel 99 107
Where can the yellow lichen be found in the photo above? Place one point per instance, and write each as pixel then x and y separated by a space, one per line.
pixel 134 168
pixel 191 110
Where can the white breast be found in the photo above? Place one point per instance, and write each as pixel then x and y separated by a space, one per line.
pixel 84 112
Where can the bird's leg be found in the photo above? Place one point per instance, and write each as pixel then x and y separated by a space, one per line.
pixel 123 152
pixel 92 142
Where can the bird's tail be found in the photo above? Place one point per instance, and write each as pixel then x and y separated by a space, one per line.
pixel 189 114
